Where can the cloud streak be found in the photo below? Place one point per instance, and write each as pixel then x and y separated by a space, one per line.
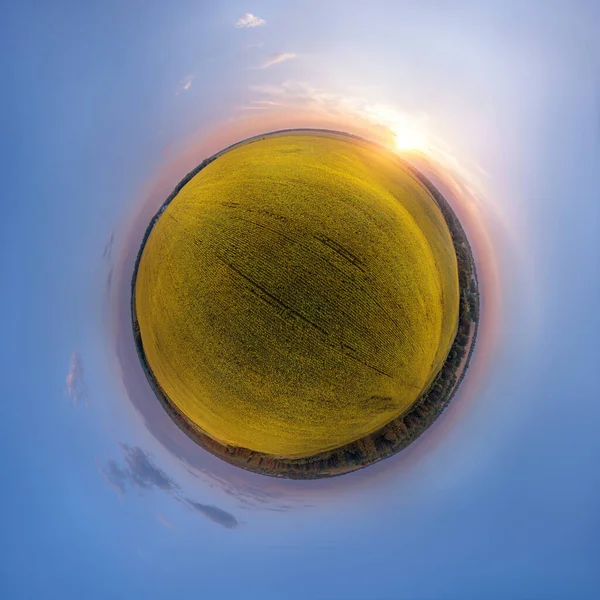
pixel 140 473
pixel 267 89
pixel 165 522
pixel 76 386
pixel 248 21
pixel 185 84
pixel 277 58
pixel 215 514
pixel 109 246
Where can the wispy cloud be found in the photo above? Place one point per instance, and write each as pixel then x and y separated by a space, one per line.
pixel 164 521
pixel 249 20
pixel 114 475
pixel 140 473
pixel 277 58
pixel 76 387
pixel 267 89
pixel 185 84
pixel 215 514
pixel 250 107
pixel 261 105
pixel 109 246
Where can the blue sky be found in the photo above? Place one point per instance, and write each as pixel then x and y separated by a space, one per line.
pixel 98 98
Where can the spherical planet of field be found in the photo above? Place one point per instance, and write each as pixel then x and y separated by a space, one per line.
pixel 297 293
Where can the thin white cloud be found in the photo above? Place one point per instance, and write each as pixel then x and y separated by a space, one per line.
pixel 267 89
pixel 185 84
pixel 297 93
pixel 277 58
pixel 248 21
pixel 267 103
pixel 76 387
pixel 261 105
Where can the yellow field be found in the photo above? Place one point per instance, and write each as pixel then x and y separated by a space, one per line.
pixel 298 293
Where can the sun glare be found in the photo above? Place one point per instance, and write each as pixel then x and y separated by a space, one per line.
pixel 410 133
pixel 408 137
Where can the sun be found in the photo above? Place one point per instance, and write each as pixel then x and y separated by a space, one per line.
pixel 408 137
pixel 410 132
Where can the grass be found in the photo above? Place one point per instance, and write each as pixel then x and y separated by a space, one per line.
pixel 299 293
